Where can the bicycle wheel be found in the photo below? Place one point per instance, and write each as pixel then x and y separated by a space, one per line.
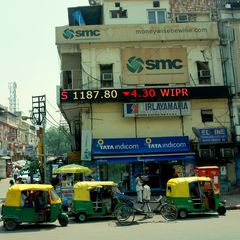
pixel 169 213
pixel 125 215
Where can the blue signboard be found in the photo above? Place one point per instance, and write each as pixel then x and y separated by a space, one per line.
pixel 213 135
pixel 111 146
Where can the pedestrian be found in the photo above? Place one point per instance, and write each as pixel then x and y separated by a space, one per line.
pixel 90 178
pixel 65 182
pixel 11 183
pixel 15 173
pixel 146 192
pixel 139 188
pixel 29 178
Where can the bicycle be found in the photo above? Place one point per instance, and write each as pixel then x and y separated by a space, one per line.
pixel 126 209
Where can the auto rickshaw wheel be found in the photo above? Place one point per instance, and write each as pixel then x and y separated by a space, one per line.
pixel 63 220
pixel 182 213
pixel 81 217
pixel 10 224
pixel 221 210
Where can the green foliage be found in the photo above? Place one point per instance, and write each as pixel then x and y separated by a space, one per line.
pixel 57 141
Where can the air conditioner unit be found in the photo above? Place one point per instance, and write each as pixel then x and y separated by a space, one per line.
pixel 107 77
pixel 226 152
pixel 206 153
pixel 204 73
pixel 182 18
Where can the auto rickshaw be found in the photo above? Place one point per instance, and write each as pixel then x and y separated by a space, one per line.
pixel 93 198
pixel 194 195
pixel 32 203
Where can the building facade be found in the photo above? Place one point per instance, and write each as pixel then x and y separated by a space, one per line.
pixel 18 139
pixel 229 31
pixel 143 90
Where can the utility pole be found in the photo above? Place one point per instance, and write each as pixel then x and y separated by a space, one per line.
pixel 39 118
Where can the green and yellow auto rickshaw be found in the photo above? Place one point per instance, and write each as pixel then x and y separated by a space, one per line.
pixel 93 198
pixel 32 203
pixel 194 195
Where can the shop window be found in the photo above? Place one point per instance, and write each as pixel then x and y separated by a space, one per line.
pixel 155 17
pixel 106 71
pixel 207 115
pixel 204 75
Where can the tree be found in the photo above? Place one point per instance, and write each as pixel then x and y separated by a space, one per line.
pixel 57 142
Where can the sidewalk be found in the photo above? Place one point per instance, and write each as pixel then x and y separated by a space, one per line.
pixel 232 201
pixel 4 185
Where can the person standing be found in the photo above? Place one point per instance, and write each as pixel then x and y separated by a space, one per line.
pixel 15 174
pixel 11 183
pixel 139 188
pixel 90 178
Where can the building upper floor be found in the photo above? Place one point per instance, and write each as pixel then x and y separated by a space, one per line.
pixel 110 12
pixel 14 130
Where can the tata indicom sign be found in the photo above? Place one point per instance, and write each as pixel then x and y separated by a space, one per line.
pixel 105 146
pixel 154 65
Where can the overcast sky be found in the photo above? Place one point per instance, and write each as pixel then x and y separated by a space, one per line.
pixel 28 52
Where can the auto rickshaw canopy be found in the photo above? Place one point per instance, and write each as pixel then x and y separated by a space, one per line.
pixel 13 197
pixel 82 189
pixel 179 187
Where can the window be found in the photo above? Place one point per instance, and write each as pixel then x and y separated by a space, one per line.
pixel 207 115
pixel 67 79
pixel 118 13
pixel 238 114
pixel 204 75
pixel 156 4
pixel 106 71
pixel 117 4
pixel 156 16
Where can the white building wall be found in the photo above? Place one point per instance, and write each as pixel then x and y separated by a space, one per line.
pixel 101 54
pixel 137 13
pixel 108 121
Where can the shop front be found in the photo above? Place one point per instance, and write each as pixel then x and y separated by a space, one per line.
pixel 123 159
pixel 215 148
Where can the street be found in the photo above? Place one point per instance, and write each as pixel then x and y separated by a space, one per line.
pixel 194 227
pixel 209 227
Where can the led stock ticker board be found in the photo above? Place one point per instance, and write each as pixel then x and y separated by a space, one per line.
pixel 140 94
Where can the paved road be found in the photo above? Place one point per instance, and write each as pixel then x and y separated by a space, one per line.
pixel 199 227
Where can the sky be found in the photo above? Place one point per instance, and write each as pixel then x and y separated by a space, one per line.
pixel 28 54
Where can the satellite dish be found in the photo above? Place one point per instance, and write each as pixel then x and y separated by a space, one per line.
pixel 196 132
pixel 94 2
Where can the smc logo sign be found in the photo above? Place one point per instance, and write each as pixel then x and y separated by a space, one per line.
pixel 70 33
pixel 137 64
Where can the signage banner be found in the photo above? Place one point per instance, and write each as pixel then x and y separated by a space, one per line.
pixel 153 109
pixel 154 65
pixel 136 32
pixel 153 94
pixel 213 135
pixel 111 146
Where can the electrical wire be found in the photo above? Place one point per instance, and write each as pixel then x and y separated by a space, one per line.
pixel 59 128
